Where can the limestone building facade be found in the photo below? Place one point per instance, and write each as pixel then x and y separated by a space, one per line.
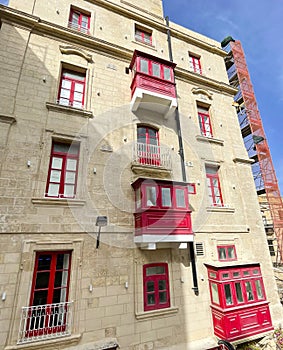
pixel 129 216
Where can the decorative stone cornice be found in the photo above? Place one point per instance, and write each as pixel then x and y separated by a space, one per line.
pixel 199 79
pixel 199 91
pixel 52 30
pixel 72 50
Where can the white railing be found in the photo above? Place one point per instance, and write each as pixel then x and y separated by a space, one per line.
pixel 78 28
pixel 157 156
pixel 45 322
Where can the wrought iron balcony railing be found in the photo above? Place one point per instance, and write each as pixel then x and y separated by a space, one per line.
pixel 45 322
pixel 152 155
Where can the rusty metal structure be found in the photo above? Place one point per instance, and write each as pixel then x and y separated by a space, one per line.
pixel 256 144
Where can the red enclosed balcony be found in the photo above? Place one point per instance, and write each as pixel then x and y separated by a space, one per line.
pixel 162 213
pixel 238 302
pixel 153 86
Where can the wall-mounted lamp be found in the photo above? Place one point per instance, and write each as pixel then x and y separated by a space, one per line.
pixel 100 221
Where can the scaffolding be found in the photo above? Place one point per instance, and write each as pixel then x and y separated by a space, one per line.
pixel 255 139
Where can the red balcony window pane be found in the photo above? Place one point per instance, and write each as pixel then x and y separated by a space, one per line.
pixel 156 286
pixel 63 168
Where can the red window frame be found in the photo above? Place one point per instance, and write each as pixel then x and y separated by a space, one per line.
pixel 148 144
pixel 143 35
pixel 150 69
pixel 214 188
pixel 226 252
pixel 79 20
pixel 192 188
pixel 65 176
pixel 195 64
pixel 72 89
pixel 49 287
pixel 153 289
pixel 249 283
pixel 205 124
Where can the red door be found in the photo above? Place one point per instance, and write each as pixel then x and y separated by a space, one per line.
pixel 50 287
pixel 148 146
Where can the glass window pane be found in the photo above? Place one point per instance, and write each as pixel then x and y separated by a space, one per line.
pixel 162 297
pixel 71 164
pixel 150 286
pixel 166 197
pixel 56 163
pixel 77 104
pixel 156 70
pixel 249 291
pixel 44 262
pixel 40 297
pixel 138 197
pixel 78 97
pixel 155 270
pixel 70 177
pixel 214 293
pixel 144 66
pixel 147 38
pixel 236 274
pixel 228 294
pixel 258 289
pixel 150 196
pixel 222 253
pixel 53 190
pixel 246 273
pixel 239 292
pixel 58 279
pixel 66 84
pixel 55 176
pixel 231 253
pixel 69 190
pixel 167 75
pixel 79 87
pixel 150 299
pixel 42 280
pixel 161 285
pixel 180 198
pixel 225 275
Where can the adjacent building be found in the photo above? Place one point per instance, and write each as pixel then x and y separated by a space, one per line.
pixel 129 215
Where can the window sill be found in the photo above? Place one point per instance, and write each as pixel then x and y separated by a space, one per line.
pixel 144 45
pixel 156 313
pixel 68 109
pixel 209 139
pixel 220 209
pixel 70 340
pixel 64 202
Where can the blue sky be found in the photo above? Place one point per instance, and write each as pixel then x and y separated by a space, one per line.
pixel 259 26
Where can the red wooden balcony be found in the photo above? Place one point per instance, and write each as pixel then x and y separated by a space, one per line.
pixel 162 213
pixel 153 86
pixel 238 302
